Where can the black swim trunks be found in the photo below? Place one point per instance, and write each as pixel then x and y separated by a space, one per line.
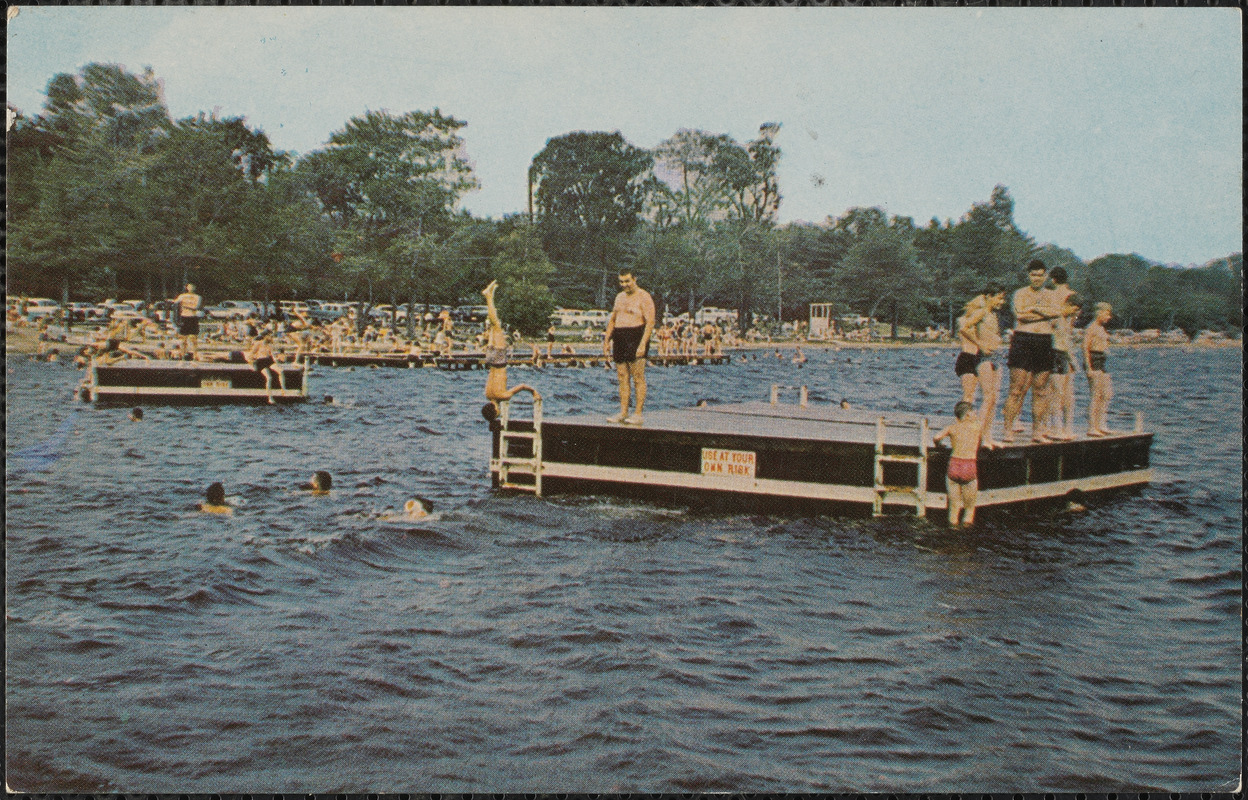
pixel 262 363
pixel 1096 360
pixel 1062 363
pixel 967 363
pixel 188 326
pixel 624 344
pixel 1032 352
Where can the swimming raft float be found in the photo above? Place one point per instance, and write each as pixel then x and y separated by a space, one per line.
pixel 796 458
pixel 135 381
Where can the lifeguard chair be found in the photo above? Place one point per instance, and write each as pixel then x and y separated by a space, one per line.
pixel 822 323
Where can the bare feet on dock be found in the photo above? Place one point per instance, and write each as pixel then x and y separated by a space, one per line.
pixel 620 417
pixel 633 419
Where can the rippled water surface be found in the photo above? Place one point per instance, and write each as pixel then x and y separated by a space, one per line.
pixel 308 644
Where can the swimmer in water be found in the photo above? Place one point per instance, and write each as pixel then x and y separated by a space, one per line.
pixel 136 414
pixel 321 483
pixel 496 348
pixel 214 501
pixel 417 507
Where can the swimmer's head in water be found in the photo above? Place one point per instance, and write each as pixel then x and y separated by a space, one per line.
pixel 329 399
pixel 321 482
pixel 215 496
pixel 962 409
pixel 136 414
pixel 418 507
pixel 490 411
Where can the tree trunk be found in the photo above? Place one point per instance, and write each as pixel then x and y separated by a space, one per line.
pixel 411 314
pixel 894 320
pixel 69 315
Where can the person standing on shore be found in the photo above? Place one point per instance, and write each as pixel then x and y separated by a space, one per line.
pixel 627 341
pixel 1031 354
pixel 188 304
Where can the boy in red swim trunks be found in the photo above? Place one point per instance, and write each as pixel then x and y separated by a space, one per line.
pixel 962 481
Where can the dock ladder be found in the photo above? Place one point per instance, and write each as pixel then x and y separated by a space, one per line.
pixel 883 490
pixel 508 462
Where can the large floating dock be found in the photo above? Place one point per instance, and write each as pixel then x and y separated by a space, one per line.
pixel 796 458
pixel 190 383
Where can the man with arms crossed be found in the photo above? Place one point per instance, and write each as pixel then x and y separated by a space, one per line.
pixel 188 318
pixel 628 340
pixel 1031 353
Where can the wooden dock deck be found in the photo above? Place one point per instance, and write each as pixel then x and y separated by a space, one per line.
pixel 797 458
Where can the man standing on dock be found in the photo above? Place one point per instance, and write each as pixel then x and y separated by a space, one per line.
pixel 1031 353
pixel 188 318
pixel 627 341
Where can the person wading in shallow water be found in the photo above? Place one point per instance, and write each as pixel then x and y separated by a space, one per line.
pixel 627 341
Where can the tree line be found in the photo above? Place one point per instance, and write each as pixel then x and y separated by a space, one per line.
pixel 110 196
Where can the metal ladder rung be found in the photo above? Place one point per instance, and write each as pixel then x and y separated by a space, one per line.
pixel 529 466
pixel 902 459
pixel 883 490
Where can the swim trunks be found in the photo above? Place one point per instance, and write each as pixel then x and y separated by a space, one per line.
pixel 1062 363
pixel 188 326
pixel 262 363
pixel 624 344
pixel 1096 360
pixel 495 357
pixel 1032 352
pixel 962 470
pixel 967 363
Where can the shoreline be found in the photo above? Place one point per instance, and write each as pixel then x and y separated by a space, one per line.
pixel 25 340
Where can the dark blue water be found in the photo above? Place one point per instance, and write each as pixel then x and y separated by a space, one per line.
pixel 592 644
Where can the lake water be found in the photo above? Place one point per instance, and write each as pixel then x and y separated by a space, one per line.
pixel 304 644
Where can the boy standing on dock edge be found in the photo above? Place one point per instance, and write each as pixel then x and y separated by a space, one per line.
pixel 627 341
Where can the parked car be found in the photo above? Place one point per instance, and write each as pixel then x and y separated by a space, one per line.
pixel 572 317
pixel 328 312
pixel 39 307
pixel 714 315
pixel 85 312
pixel 233 309
pixel 471 313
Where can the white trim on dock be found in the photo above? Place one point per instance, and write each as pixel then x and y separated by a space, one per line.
pixel 190 391
pixel 865 495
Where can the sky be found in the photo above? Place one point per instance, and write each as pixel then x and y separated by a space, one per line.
pixel 1115 130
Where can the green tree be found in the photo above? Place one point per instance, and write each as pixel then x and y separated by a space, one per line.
pixel 522 269
pixel 389 181
pixel 591 192
pixel 882 269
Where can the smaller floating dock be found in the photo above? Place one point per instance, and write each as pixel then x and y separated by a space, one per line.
pixel 796 459
pixel 190 383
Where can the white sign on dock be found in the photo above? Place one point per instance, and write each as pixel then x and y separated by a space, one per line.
pixel 729 463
